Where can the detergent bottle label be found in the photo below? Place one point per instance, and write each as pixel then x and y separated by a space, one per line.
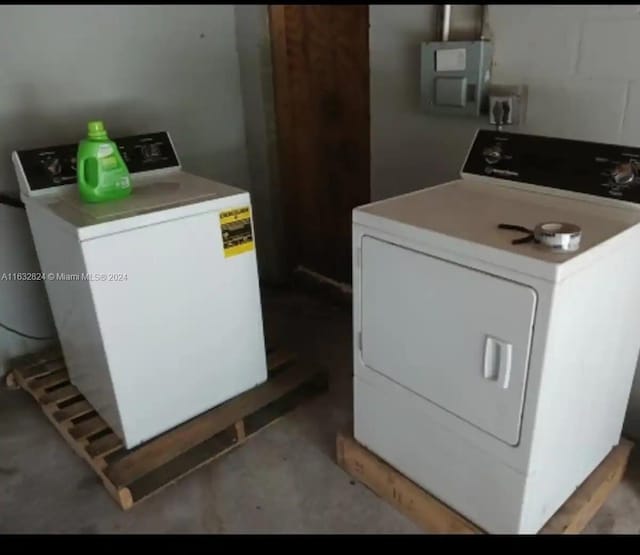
pixel 105 150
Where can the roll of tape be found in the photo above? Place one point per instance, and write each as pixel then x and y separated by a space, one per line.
pixel 558 236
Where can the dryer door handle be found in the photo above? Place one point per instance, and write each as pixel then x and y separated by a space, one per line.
pixel 497 361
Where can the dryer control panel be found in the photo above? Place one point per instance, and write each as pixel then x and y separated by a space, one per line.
pixel 604 170
pixel 54 166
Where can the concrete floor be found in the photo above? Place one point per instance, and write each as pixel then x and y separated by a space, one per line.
pixel 283 480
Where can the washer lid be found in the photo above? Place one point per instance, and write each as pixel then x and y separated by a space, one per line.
pixel 154 198
pixel 463 216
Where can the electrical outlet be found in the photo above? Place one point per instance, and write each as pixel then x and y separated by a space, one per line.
pixel 507 104
pixel 501 110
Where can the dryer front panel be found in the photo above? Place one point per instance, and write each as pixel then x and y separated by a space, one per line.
pixel 456 336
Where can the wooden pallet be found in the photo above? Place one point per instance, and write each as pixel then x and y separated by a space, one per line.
pixel 133 475
pixel 436 517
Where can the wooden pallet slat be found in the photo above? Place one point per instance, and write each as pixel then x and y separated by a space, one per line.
pixel 240 431
pixel 223 441
pixel 79 408
pixel 103 446
pixel 24 363
pixel 434 516
pixel 37 371
pixel 133 475
pixel 411 500
pixel 175 442
pixel 35 359
pixel 164 476
pixel 88 428
pixel 58 395
pixel 55 378
pixel 279 359
pixel 263 416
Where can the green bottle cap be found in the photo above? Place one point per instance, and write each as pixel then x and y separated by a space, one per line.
pixel 96 130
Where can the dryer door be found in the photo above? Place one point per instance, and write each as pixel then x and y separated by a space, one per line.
pixel 453 335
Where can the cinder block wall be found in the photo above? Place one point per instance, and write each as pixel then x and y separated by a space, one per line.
pixel 582 66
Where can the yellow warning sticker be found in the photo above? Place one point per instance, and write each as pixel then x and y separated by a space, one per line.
pixel 237 235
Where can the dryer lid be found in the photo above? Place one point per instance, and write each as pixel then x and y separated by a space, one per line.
pixel 464 216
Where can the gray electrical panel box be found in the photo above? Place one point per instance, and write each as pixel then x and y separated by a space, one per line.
pixel 454 77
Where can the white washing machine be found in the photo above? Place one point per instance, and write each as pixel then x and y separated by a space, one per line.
pixel 155 297
pixel 497 375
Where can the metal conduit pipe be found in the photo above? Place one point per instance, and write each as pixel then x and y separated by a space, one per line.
pixel 446 22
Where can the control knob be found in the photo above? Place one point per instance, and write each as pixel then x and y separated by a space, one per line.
pixel 624 174
pixel 54 167
pixel 492 154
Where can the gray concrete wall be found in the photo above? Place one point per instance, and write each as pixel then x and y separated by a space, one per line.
pixel 256 74
pixel 139 68
pixel 409 149
pixel 580 64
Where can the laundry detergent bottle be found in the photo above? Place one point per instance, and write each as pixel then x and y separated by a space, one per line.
pixel 101 171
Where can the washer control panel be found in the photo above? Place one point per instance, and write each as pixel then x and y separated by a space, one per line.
pixel 55 166
pixel 599 169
